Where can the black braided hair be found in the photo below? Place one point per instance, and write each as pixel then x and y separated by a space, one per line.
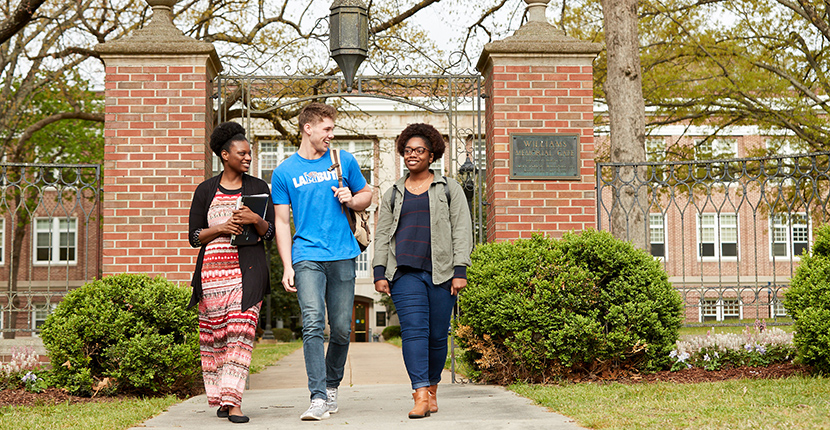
pixel 224 134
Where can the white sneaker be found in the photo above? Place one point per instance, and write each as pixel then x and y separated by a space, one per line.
pixel 331 400
pixel 316 412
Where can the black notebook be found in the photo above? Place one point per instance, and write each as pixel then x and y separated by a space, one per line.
pixel 257 204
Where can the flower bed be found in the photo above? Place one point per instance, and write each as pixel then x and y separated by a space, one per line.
pixel 755 347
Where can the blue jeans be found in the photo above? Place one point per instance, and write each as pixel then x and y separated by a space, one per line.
pixel 424 310
pixel 321 286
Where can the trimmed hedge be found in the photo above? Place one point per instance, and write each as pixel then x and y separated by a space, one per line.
pixel 808 302
pixel 125 334
pixel 391 331
pixel 539 309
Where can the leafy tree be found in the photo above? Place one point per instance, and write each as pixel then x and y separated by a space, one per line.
pixel 763 64
pixel 69 141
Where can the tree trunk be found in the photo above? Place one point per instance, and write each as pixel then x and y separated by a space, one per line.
pixel 626 111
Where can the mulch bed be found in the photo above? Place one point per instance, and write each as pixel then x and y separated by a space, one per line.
pixel 49 396
pixel 697 375
pixel 694 375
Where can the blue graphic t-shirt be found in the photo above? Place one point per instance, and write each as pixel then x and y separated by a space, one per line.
pixel 322 230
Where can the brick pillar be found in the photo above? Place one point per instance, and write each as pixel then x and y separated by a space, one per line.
pixel 158 114
pixel 539 82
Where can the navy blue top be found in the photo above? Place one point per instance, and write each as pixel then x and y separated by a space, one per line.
pixel 412 239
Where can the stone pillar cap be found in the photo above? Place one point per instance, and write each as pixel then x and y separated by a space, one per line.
pixel 536 37
pixel 159 37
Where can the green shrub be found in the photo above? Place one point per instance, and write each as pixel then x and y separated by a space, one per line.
pixel 124 334
pixel 539 309
pixel 391 331
pixel 283 334
pixel 808 302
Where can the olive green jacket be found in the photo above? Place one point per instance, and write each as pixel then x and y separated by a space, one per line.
pixel 451 229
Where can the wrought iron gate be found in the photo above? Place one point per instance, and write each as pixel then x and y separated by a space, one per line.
pixel 50 238
pixel 729 232
pixel 267 107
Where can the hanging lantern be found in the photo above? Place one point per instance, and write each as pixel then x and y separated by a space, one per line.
pixel 349 38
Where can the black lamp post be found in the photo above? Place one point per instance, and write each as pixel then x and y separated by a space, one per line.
pixel 467 170
pixel 349 38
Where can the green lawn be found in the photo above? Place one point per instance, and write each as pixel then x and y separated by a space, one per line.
pixel 266 354
pixel 394 341
pixel 118 413
pixel 792 403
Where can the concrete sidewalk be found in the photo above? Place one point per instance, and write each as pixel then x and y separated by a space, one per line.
pixel 375 393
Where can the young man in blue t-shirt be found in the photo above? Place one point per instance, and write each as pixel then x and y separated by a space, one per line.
pixel 320 266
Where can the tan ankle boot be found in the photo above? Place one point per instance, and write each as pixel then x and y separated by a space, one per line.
pixel 433 398
pixel 421 409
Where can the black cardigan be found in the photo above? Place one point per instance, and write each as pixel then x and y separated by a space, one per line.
pixel 256 282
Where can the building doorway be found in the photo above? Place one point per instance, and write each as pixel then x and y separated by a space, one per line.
pixel 360 321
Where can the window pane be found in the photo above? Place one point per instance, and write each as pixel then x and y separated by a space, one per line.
pixel 709 309
pixel 779 234
pixel 707 228
pixel 779 249
pixel 799 248
pixel 380 318
pixel 267 159
pixel 726 148
pixel 44 239
pixel 67 239
pixel 65 225
pixel 658 250
pixel 656 228
pixel 67 254
pixel 729 250
pixel 729 228
pixel 703 150
pixel 731 309
pixel 44 254
pixel 707 249
pixel 800 233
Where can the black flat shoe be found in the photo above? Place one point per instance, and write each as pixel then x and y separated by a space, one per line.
pixel 222 413
pixel 238 419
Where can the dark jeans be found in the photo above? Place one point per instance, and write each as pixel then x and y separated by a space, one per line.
pixel 424 310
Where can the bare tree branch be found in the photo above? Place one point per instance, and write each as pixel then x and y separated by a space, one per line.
pixel 32 129
pixel 402 17
pixel 21 16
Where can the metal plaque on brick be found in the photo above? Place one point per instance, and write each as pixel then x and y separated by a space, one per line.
pixel 544 156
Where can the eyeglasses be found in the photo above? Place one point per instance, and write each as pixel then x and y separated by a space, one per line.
pixel 419 150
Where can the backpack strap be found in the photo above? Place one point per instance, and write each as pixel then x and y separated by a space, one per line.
pixel 335 165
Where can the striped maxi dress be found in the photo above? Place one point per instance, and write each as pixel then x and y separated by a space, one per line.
pixel 226 334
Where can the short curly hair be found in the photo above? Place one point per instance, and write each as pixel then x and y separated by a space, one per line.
pixel 224 134
pixel 432 137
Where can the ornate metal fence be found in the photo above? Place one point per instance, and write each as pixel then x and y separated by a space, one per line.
pixel 728 232
pixel 266 105
pixel 50 237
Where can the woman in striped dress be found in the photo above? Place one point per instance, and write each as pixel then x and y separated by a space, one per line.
pixel 229 282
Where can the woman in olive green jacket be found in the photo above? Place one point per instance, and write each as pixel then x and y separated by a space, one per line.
pixel 422 250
